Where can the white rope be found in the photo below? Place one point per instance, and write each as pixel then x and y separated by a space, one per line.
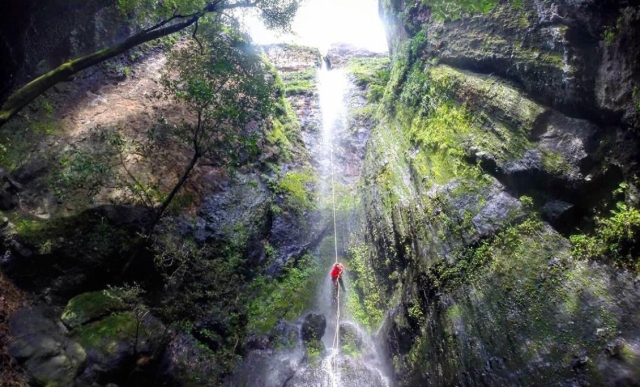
pixel 336 337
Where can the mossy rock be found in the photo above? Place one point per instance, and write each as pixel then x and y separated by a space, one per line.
pixel 105 334
pixel 90 307
pixel 112 343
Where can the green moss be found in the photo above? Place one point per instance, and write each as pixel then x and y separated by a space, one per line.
pixel 366 304
pixel 283 298
pixel 615 238
pixel 452 10
pixel 90 306
pixel 300 82
pixel 284 135
pixel 314 350
pixel 370 71
pixel 554 163
pixel 611 33
pixel 295 186
pixel 104 335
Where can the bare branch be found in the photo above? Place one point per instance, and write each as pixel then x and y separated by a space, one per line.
pixel 195 37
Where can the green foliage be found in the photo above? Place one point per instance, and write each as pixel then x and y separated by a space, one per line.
pixel 611 33
pixel 455 9
pixel 517 4
pixel 368 71
pixel 511 240
pixel 82 169
pixel 209 285
pixel 285 130
pixel 373 73
pixel 276 14
pixel 615 238
pixel 269 251
pixel 299 82
pixel 314 349
pixel 278 137
pixel 283 298
pixel 366 302
pixel 417 44
pixel 527 201
pixel 296 187
pixel 224 88
pixel 21 137
pixel 636 98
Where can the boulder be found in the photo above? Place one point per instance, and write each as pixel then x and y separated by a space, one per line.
pixel 184 361
pixel 351 339
pixel 313 327
pixel 38 344
pixel 116 342
pixel 90 307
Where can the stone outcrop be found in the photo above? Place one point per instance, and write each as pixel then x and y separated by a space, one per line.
pixel 496 143
pixel 49 357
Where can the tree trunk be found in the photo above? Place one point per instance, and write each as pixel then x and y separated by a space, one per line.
pixel 165 204
pixel 33 89
pixel 174 192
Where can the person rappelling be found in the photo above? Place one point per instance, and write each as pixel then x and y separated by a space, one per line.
pixel 336 274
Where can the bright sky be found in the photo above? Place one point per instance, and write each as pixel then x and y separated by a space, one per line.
pixel 320 23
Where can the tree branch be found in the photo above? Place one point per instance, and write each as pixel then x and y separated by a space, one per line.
pixel 33 89
pixel 195 31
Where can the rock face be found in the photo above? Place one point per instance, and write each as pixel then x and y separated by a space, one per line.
pixel 78 28
pixel 495 124
pixel 313 327
pixel 48 356
pixel 108 341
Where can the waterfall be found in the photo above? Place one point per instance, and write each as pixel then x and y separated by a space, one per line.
pixel 333 88
pixel 335 144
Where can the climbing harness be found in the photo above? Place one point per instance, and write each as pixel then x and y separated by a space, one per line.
pixel 336 337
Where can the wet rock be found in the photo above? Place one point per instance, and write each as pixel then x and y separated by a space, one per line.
pixel 285 335
pixel 290 235
pixel 115 343
pixel 531 161
pixel 40 347
pixel 288 58
pixel 579 362
pixel 239 205
pixel 554 209
pixel 182 362
pixel 348 371
pixel 568 144
pixel 7 200
pixel 615 348
pixel 341 53
pixel 350 336
pixel 267 368
pixel 313 327
pixel 490 207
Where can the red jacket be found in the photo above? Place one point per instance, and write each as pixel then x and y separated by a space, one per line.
pixel 336 271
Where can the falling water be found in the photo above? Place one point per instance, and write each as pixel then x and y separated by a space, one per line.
pixel 333 159
pixel 333 87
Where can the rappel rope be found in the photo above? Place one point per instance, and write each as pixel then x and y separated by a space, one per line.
pixel 336 337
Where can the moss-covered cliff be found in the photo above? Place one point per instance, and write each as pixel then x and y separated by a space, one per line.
pixel 500 135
